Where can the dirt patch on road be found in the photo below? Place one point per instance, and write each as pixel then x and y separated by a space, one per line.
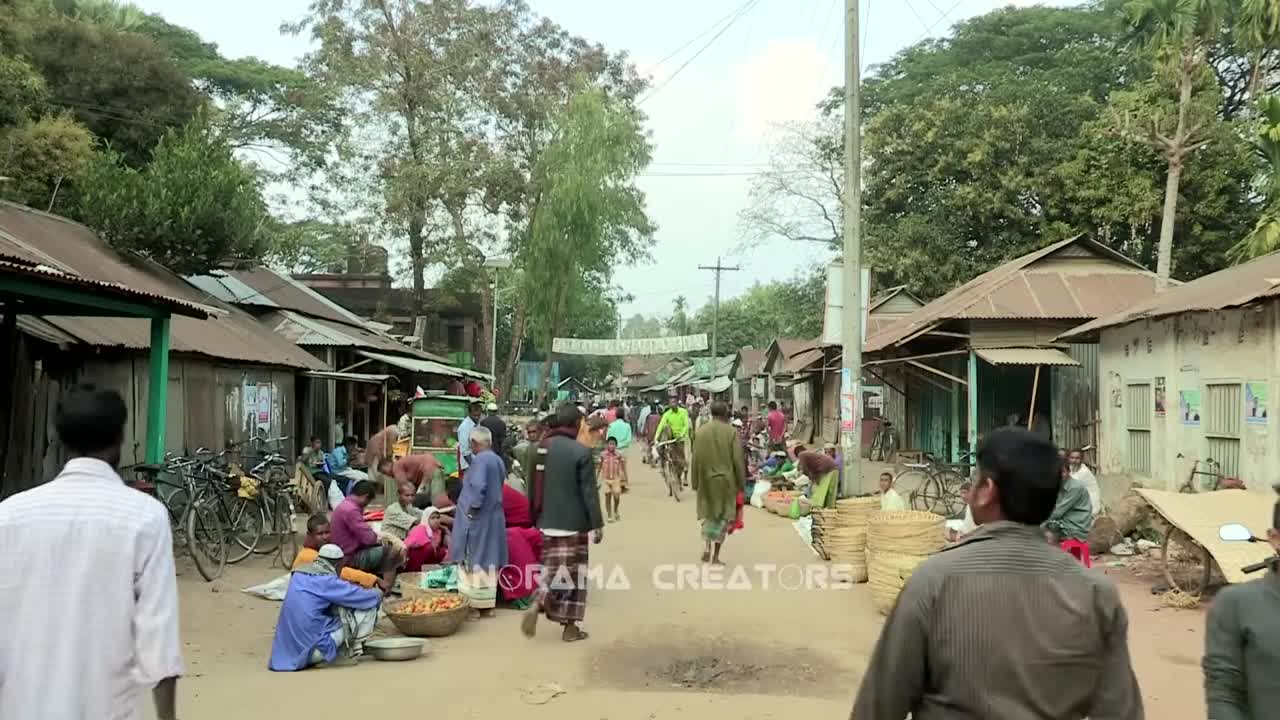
pixel 715 665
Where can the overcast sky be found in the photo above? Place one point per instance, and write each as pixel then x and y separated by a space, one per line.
pixel 711 123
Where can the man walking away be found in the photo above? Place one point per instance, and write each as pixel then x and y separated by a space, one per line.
pixel 1242 632
pixel 566 508
pixel 1004 625
pixel 89 599
pixel 777 423
pixel 718 474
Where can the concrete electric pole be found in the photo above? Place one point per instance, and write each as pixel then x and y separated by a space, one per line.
pixel 851 333
pixel 715 318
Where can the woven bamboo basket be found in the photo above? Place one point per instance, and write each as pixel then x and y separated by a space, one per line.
pixel 906 533
pixel 434 625
pixel 856 512
pixel 887 572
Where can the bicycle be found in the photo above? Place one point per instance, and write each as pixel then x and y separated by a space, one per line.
pixel 885 443
pixel 937 484
pixel 195 525
pixel 224 487
pixel 1214 470
pixel 672 476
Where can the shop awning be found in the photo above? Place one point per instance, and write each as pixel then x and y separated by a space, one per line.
pixel 718 385
pixel 367 378
pixel 1026 356
pixel 426 366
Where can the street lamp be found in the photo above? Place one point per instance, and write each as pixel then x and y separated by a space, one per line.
pixel 495 263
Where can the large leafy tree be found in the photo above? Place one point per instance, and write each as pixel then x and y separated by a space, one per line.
pixel 192 207
pixel 790 308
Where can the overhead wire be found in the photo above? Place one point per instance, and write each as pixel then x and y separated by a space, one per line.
pixel 742 11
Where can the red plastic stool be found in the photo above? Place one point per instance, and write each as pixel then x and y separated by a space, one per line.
pixel 1078 549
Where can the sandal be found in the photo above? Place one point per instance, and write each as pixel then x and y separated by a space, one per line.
pixel 577 635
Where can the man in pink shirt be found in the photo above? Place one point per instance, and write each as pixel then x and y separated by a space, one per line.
pixel 777 424
pixel 360 544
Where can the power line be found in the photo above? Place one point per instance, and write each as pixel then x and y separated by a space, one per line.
pixel 929 31
pixel 743 10
pixel 697 37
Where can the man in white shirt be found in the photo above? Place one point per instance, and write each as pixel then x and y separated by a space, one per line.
pixel 469 423
pixel 1081 472
pixel 89 599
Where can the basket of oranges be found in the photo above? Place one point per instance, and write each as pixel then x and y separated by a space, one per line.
pixel 430 614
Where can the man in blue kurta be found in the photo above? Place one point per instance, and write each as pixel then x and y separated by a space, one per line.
pixel 322 616
pixel 479 538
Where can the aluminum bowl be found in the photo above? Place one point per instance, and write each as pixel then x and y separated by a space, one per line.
pixel 398 648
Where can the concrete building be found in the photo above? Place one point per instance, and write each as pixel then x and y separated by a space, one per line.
pixel 1186 377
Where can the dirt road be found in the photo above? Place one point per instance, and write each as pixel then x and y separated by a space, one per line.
pixel 656 650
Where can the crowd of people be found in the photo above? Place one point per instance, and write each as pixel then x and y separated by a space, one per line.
pixel 1058 649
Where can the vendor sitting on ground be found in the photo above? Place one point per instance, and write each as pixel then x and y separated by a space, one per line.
pixel 822 472
pixel 323 619
pixel 890 500
pixel 401 516
pixel 1072 517
pixel 428 541
pixel 317 537
pixel 359 543
pixel 340 464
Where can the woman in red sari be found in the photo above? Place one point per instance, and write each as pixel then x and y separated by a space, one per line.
pixel 519 579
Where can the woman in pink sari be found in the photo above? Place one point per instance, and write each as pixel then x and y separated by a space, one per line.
pixel 519 579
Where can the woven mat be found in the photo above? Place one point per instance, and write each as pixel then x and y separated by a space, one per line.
pixel 1201 514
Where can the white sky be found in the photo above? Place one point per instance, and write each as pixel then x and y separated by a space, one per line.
pixel 710 124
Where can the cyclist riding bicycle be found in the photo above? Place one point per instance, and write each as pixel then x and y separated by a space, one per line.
pixel 676 421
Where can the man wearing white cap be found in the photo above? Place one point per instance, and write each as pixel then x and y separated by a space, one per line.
pixel 323 619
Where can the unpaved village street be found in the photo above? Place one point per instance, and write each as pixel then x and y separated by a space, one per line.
pixel 780 653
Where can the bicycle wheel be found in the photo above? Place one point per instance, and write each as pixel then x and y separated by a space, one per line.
pixel 206 540
pixel 1187 565
pixel 909 483
pixel 283 531
pixel 270 540
pixel 952 502
pixel 244 525
pixel 930 497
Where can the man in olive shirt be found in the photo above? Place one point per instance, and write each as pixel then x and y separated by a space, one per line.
pixel 1003 624
pixel 1242 646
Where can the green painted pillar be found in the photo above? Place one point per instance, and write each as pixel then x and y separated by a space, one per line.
pixel 158 389
pixel 973 403
pixel 955 423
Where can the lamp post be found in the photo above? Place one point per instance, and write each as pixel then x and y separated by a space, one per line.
pixel 495 263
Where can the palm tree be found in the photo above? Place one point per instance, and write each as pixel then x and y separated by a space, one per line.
pixel 1181 33
pixel 1265 236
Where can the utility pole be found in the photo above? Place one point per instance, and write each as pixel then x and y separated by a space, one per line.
pixel 715 318
pixel 851 333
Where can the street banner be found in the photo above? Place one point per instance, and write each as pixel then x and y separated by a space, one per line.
pixel 630 346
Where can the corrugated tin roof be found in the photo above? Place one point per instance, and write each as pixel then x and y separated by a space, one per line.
pixel 230 290
pixel 425 366
pixel 19 267
pixel 291 294
pixel 1250 282
pixel 72 248
pixel 781 350
pixel 1023 290
pixel 367 378
pixel 644 364
pixel 1026 356
pixel 750 362
pixel 315 332
pixel 888 294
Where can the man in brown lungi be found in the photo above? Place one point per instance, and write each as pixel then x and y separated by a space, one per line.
pixel 565 503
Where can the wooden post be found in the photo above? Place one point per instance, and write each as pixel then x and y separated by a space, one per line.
pixel 955 423
pixel 973 402
pixel 1035 387
pixel 158 389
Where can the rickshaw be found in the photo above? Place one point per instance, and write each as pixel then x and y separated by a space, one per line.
pixel 434 430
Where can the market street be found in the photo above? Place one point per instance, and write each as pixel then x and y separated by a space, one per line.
pixel 781 653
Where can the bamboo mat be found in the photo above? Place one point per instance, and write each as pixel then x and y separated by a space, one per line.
pixel 1201 514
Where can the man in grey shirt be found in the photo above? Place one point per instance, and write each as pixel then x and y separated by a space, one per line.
pixel 1242 646
pixel 1003 624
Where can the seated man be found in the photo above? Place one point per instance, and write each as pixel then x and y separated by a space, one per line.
pixel 424 472
pixel 323 619
pixel 890 500
pixel 317 537
pixel 401 516
pixel 340 464
pixel 1072 517
pixel 360 544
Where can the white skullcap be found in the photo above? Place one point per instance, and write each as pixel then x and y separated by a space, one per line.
pixel 737 422
pixel 492 407
pixel 331 552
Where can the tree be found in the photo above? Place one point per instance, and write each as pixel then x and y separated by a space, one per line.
pixel 766 311
pixel 1264 238
pixel 191 208
pixel 798 197
pixel 678 323
pixel 591 212
pixel 38 157
pixel 639 326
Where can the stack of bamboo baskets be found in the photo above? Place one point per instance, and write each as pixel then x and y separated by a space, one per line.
pixel 897 542
pixel 840 535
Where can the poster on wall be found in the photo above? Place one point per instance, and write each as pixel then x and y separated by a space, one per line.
pixel 847 392
pixel 1189 407
pixel 264 406
pixel 1255 403
pixel 1160 397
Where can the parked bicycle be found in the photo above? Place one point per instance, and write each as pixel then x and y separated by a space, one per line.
pixel 935 485
pixel 885 443
pixel 196 527
pixel 1207 468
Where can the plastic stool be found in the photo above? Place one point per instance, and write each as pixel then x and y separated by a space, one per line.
pixel 1078 549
